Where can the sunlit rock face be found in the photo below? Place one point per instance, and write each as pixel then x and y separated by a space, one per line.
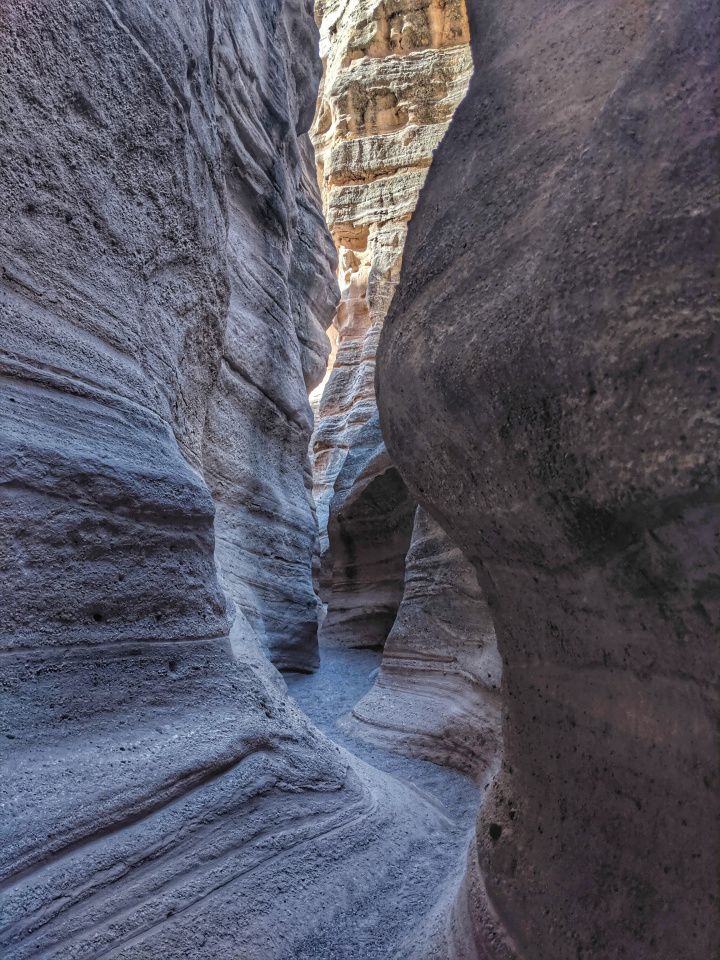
pixel 548 387
pixel 394 73
pixel 162 299
pixel 437 693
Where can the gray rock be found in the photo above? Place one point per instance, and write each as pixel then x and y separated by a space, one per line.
pixel 548 386
pixel 437 694
pixel 162 298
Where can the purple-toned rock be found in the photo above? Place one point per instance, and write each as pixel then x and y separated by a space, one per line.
pixel 548 387
pixel 437 693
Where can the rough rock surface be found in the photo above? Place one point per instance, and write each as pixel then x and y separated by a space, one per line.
pixel 437 693
pixel 160 320
pixel 259 422
pixel 548 386
pixel 394 73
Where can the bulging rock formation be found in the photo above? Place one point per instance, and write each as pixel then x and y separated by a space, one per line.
pixel 548 387
pixel 394 73
pixel 437 693
pixel 162 297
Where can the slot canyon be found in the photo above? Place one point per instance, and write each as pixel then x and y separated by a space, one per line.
pixel 360 486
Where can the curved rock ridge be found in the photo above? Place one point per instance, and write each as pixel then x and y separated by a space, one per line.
pixel 437 693
pixel 281 265
pixel 369 533
pixel 548 387
pixel 162 298
pixel 394 73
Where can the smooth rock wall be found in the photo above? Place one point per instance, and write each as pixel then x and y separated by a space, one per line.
pixel 548 387
pixel 437 695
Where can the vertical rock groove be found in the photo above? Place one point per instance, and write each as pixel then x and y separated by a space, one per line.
pixel 393 75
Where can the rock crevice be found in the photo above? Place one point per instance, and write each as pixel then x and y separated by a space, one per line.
pixel 393 75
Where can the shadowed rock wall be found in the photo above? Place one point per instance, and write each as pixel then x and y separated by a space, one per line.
pixel 548 387
pixel 369 533
pixel 162 298
pixel 437 693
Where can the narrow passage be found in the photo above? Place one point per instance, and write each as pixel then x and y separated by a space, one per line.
pixel 404 901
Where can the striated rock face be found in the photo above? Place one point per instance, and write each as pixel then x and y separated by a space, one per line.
pixel 437 693
pixel 259 421
pixel 162 298
pixel 394 73
pixel 548 386
pixel 369 535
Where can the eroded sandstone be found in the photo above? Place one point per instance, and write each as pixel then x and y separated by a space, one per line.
pixel 437 694
pixel 548 388
pixel 394 73
pixel 163 293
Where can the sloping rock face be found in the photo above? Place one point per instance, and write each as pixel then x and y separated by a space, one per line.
pixel 548 386
pixel 161 311
pixel 259 421
pixel 394 73
pixel 369 532
pixel 437 693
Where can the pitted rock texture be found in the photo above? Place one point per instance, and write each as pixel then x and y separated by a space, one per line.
pixel 548 387
pixel 369 533
pixel 162 300
pixel 437 694
pixel 394 73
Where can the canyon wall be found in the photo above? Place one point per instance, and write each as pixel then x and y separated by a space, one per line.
pixel 548 387
pixel 437 693
pixel 394 73
pixel 165 280
pixel 255 447
pixel 369 529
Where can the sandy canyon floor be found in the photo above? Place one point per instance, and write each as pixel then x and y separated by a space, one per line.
pixel 386 926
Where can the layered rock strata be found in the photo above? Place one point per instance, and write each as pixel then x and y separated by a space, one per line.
pixel 369 533
pixel 162 311
pixel 394 73
pixel 548 387
pixel 255 445
pixel 437 693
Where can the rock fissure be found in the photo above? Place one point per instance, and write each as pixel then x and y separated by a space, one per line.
pixel 414 401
